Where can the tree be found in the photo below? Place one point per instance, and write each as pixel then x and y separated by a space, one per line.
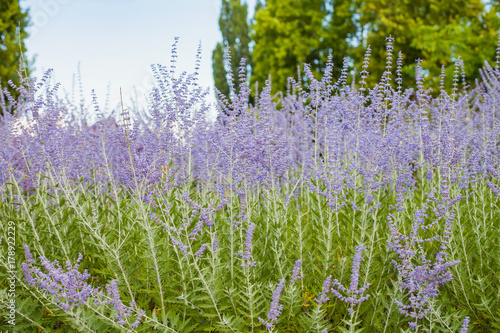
pixel 13 23
pixel 437 31
pixel 339 31
pixel 235 28
pixel 289 33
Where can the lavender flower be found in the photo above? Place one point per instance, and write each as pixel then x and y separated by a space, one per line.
pixel 465 325
pixel 197 229
pixel 202 249
pixel 356 263
pixel 122 310
pixel 183 248
pixel 354 293
pixel 138 319
pixel 296 271
pixel 323 295
pixel 275 309
pixel 68 285
pixel 247 254
pixel 70 289
pixel 422 281
pixel 215 244
pixel 494 188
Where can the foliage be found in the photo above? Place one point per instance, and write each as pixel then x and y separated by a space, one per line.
pixel 13 23
pixel 438 32
pixel 234 26
pixel 292 32
pixel 287 34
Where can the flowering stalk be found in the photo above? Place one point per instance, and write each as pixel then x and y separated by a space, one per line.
pixel 69 287
pixel 422 281
pixel 247 254
pixel 275 308
pixel 354 293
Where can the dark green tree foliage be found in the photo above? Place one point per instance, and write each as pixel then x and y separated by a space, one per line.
pixel 438 32
pixel 339 28
pixel 288 33
pixel 13 23
pixel 234 25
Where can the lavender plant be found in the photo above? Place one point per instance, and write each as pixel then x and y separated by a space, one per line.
pixel 192 222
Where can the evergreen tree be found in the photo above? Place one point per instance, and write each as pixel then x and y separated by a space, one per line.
pixel 13 23
pixel 235 28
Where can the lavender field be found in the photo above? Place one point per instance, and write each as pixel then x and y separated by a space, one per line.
pixel 331 207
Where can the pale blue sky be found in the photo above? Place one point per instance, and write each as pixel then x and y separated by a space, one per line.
pixel 115 41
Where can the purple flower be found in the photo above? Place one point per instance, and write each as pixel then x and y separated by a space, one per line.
pixel 215 244
pixel 296 271
pixel 122 310
pixel 420 277
pixel 247 254
pixel 183 248
pixel 354 293
pixel 465 325
pixel 202 249
pixel 323 295
pixel 276 308
pixel 494 188
pixel 70 289
pixel 356 263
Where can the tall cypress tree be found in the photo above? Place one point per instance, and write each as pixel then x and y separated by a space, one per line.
pixel 235 28
pixel 13 23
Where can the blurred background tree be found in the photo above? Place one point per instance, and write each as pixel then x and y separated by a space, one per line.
pixel 437 31
pixel 287 33
pixel 13 23
pixel 235 28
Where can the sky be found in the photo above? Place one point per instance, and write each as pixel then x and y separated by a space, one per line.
pixel 116 41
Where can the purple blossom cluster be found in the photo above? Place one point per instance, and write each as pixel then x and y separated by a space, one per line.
pixel 215 244
pixel 247 255
pixel 421 278
pixel 296 275
pixel 201 250
pixel 123 311
pixel 69 288
pixel 66 284
pixel 331 132
pixel 323 295
pixel 275 308
pixel 353 292
pixel 465 325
